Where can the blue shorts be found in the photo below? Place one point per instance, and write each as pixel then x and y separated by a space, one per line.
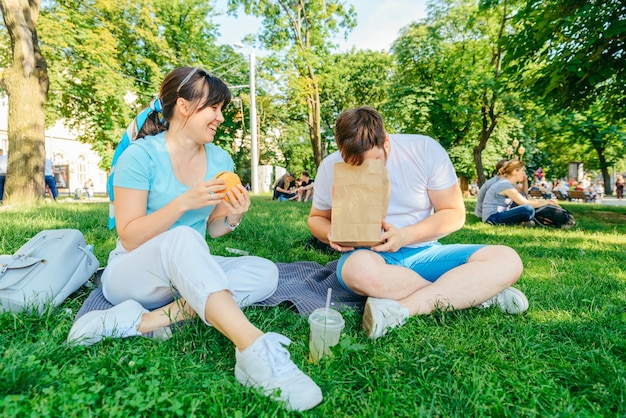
pixel 430 261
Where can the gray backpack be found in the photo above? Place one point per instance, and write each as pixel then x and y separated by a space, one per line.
pixel 45 271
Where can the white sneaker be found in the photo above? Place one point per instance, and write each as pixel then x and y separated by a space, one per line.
pixel 381 314
pixel 510 300
pixel 266 365
pixel 119 321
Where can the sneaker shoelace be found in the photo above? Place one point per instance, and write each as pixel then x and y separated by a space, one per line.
pixel 277 355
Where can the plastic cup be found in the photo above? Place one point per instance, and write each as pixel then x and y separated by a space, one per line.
pixel 326 326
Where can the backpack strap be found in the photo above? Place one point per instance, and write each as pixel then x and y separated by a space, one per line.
pixel 130 135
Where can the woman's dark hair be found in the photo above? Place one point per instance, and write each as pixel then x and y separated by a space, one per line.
pixel 193 84
pixel 358 131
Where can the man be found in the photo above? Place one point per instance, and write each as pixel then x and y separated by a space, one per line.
pixel 410 273
pixel 3 172
pixel 561 189
pixel 49 178
pixel 478 210
pixel 305 191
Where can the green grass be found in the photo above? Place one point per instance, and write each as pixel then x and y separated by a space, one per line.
pixel 565 357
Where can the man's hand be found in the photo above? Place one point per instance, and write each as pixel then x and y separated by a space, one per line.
pixel 338 247
pixel 393 239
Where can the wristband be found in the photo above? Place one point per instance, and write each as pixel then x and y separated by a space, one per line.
pixel 230 226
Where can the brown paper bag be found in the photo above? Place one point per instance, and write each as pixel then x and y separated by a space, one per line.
pixel 359 205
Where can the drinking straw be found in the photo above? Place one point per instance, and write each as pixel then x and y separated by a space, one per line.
pixel 328 300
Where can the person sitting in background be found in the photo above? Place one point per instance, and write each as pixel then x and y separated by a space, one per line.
pixel 284 188
pixel 562 188
pixel 305 190
pixel 599 189
pixel 498 204
pixel 478 211
pixel 546 191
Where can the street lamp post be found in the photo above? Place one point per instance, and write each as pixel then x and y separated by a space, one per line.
pixel 254 148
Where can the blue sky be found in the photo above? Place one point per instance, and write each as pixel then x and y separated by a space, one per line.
pixel 378 23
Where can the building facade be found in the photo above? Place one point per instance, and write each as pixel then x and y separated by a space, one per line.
pixel 75 162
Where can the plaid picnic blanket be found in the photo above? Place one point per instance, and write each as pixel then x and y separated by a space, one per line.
pixel 302 286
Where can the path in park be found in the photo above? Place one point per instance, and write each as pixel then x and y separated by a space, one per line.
pixel 612 200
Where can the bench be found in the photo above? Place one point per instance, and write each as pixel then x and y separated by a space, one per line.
pixel 559 195
pixel 536 194
pixel 580 195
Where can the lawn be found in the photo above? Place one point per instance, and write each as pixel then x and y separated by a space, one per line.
pixel 566 356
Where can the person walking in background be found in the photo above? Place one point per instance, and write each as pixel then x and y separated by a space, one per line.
pixel 49 178
pixel 162 271
pixel 410 273
pixel 3 172
pixel 619 187
pixel 88 187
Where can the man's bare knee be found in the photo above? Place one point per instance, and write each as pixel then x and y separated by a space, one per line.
pixel 361 272
pixel 502 259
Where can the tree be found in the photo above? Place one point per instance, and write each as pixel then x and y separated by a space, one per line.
pixel 298 32
pixel 352 79
pixel 592 128
pixel 104 51
pixel 447 82
pixel 571 52
pixel 26 83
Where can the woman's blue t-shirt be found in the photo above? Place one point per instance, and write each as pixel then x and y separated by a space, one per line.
pixel 146 165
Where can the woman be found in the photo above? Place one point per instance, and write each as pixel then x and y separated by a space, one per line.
pixel 502 194
pixel 284 188
pixel 162 270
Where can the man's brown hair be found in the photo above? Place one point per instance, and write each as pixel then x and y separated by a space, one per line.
pixel 358 131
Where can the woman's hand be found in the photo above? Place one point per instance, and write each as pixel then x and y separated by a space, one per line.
pixel 238 205
pixel 206 193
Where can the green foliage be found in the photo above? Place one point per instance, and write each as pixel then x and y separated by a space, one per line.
pixel 299 35
pixel 571 52
pixel 99 51
pixel 565 355
pixel 447 80
pixel 352 79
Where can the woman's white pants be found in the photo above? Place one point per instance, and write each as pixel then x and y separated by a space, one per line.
pixel 179 263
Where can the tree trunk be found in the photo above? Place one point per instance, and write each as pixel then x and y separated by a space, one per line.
pixel 314 116
pixel 489 122
pixel 26 83
pixel 604 167
pixel 314 122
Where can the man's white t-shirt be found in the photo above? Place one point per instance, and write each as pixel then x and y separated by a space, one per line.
pixel 416 164
pixel 48 168
pixel 3 164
